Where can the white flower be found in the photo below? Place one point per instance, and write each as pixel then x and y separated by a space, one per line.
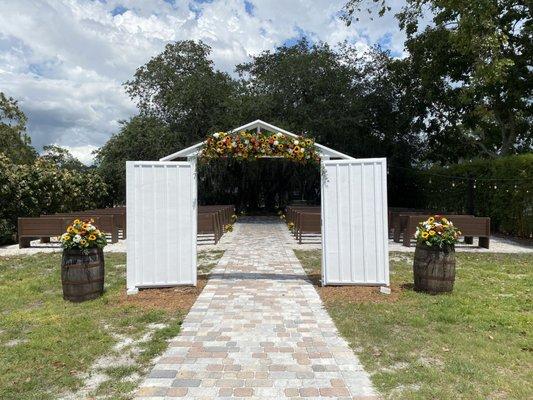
pixel 91 228
pixel 279 134
pixel 296 142
pixel 216 135
pixel 234 144
pixel 276 142
pixel 302 150
pixel 77 239
pixel 246 141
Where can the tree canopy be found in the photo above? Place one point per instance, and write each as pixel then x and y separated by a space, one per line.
pixel 470 68
pixel 14 141
pixel 344 99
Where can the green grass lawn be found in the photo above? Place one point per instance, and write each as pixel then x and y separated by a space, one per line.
pixel 50 347
pixel 475 343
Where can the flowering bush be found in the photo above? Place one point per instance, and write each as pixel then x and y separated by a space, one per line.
pixel 437 231
pixel 251 146
pixel 83 235
pixel 29 190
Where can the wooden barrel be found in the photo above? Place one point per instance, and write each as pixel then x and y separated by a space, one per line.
pixel 434 269
pixel 82 275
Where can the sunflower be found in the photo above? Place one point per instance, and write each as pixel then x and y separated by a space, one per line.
pixel 92 237
pixel 431 220
pixel 432 233
pixel 425 235
pixel 70 229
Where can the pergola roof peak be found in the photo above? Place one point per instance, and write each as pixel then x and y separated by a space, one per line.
pixel 192 151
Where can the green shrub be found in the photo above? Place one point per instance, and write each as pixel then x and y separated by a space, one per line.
pixel 7 232
pixel 29 190
pixel 502 190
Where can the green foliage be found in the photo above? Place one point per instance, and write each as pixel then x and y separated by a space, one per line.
pixel 140 138
pixel 62 158
pixel 29 190
pixel 262 184
pixel 7 230
pixel 14 142
pixel 181 88
pixel 343 99
pixel 508 201
pixel 470 72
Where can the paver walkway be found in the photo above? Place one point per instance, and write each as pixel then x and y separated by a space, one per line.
pixel 258 330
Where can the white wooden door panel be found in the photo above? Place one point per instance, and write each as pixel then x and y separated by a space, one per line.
pixel 354 222
pixel 161 223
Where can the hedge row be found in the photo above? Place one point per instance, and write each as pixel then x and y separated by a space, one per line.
pixel 42 187
pixel 502 189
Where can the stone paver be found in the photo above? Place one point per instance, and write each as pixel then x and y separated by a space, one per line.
pixel 258 330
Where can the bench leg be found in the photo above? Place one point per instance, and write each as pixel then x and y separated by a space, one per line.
pixel 114 236
pixel 396 235
pixel 406 239
pixel 45 239
pixel 24 242
pixel 484 242
pixel 469 239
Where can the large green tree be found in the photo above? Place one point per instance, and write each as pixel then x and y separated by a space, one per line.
pixel 470 68
pixel 181 88
pixel 140 138
pixel 344 99
pixel 14 141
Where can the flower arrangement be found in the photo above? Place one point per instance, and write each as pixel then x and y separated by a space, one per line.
pixel 83 235
pixel 437 231
pixel 251 146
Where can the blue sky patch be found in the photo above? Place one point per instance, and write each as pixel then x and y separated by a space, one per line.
pixel 300 34
pixel 118 10
pixel 249 7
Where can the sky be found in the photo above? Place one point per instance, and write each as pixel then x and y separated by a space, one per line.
pixel 66 60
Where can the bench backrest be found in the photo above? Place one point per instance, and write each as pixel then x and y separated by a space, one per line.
pixel 106 223
pixel 467 224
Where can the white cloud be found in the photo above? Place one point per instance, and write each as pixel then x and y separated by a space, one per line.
pixel 82 153
pixel 66 60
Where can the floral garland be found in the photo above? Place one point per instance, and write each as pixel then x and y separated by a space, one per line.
pixel 251 146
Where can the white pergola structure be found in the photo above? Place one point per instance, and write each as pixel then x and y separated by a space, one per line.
pixel 161 197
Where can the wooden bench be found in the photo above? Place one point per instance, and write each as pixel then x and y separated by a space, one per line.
pixel 51 225
pixel 307 223
pixel 212 220
pixel 469 226
pixel 118 212
pixel 208 225
pixel 292 211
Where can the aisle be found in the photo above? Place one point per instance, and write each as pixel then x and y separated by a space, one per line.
pixel 258 330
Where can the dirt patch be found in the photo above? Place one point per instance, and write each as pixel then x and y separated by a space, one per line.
pixel 170 299
pixel 354 294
